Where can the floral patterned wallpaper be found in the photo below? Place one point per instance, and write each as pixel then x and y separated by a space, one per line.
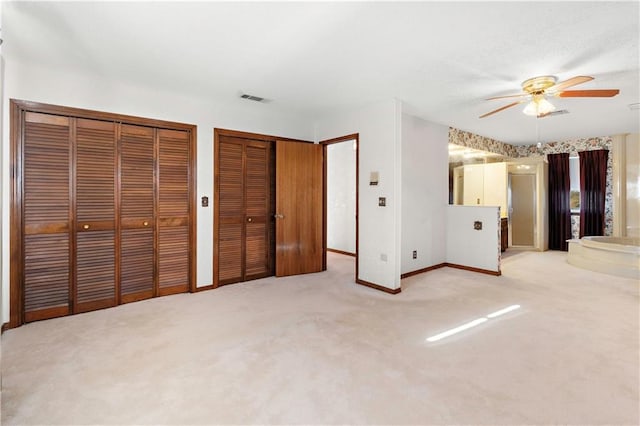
pixel 572 146
pixel 471 140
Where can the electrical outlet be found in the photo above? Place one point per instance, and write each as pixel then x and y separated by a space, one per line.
pixel 382 201
pixel 383 257
pixel 415 254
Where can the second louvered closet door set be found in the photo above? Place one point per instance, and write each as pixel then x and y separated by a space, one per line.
pixel 105 213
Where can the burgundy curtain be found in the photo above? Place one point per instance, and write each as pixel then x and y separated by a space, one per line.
pixel 593 182
pixel 559 208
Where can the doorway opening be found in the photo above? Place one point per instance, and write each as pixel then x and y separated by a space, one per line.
pixel 522 200
pixel 341 197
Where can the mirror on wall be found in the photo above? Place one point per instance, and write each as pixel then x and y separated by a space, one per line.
pixel 516 185
pixel 473 180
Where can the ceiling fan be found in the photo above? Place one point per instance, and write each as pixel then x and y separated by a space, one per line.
pixel 537 89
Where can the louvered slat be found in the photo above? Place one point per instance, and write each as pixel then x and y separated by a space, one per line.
pixel 95 209
pixel 256 247
pixel 95 273
pixel 257 205
pixel 230 253
pixel 174 257
pixel 272 211
pixel 46 216
pixel 46 276
pixel 95 152
pixel 257 181
pixel 231 212
pixel 174 174
pixel 136 276
pixel 136 210
pixel 136 172
pixel 231 180
pixel 46 173
pixel 173 211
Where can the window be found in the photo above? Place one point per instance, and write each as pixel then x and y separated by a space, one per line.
pixel 574 176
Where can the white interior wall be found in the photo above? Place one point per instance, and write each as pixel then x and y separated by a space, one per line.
pixel 424 193
pixel 633 185
pixel 341 196
pixel 379 129
pixel 32 82
pixel 469 247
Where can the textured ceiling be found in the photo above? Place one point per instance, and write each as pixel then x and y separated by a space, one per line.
pixel 440 59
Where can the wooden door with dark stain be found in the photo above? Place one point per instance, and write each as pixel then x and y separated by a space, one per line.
pixel 95 268
pixel 137 193
pixel 173 212
pixel 244 227
pixel 299 243
pixel 47 177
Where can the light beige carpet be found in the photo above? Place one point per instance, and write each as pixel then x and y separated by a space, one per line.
pixel 320 349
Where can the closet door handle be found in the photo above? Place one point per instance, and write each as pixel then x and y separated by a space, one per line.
pixel 249 219
pixel 145 223
pixel 278 216
pixel 85 226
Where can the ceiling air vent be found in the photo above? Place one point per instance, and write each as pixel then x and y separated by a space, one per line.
pixel 554 113
pixel 252 98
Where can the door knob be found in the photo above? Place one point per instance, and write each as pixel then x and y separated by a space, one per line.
pixel 278 216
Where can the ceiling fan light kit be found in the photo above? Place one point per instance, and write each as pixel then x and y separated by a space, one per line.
pixel 538 106
pixel 537 89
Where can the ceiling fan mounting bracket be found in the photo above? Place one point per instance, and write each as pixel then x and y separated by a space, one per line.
pixel 537 85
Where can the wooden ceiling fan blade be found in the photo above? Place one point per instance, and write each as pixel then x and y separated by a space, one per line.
pixel 520 95
pixel 598 93
pixel 574 81
pixel 500 109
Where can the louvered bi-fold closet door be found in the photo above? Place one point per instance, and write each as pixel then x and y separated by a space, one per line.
pixel 47 217
pixel 231 211
pixel 245 225
pixel 173 211
pixel 95 271
pixel 137 188
pixel 258 218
